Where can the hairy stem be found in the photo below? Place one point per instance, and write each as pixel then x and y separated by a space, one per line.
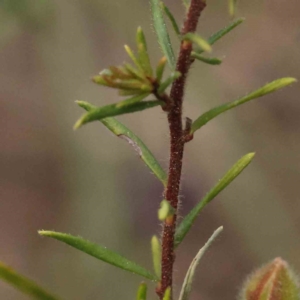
pixel 177 144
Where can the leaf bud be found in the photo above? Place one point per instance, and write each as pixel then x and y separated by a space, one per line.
pixel 274 281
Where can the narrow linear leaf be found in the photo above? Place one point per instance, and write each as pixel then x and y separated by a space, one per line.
pixel 24 284
pixel 164 85
pixel 143 52
pixel 111 110
pixel 133 58
pixel 156 255
pixel 122 131
pixel 119 72
pixel 140 85
pixel 137 73
pixel 132 100
pixel 188 280
pixel 266 89
pixel 232 7
pixel 99 252
pixel 207 60
pixel 162 32
pixel 218 35
pixel 171 18
pixel 187 222
pixel 186 3
pixel 198 40
pixel 142 292
pixel 132 84
pixel 99 79
pixel 107 72
pixel 167 295
pixel 160 69
pixel 131 93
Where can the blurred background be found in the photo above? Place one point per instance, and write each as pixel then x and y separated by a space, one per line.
pixel 90 183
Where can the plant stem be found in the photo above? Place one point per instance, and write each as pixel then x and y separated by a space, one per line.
pixel 177 144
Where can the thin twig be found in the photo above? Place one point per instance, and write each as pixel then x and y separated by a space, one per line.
pixel 177 144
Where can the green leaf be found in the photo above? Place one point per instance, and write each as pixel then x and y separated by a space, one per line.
pixel 171 18
pixel 160 69
pixel 131 84
pixel 266 89
pixel 207 60
pixel 119 72
pixel 167 295
pixel 122 131
pixel 136 73
pixel 143 52
pixel 142 292
pixel 188 280
pixel 218 35
pixel 165 210
pixel 24 284
pixel 131 93
pixel 164 85
pixel 140 85
pixel 156 255
pixel 111 110
pixel 232 7
pixel 186 224
pixel 133 58
pixel 186 4
pixel 198 40
pixel 99 252
pixel 162 33
pixel 132 100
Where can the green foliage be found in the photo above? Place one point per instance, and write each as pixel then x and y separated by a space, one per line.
pixel 186 224
pixel 136 81
pixel 189 277
pixel 142 292
pixel 196 54
pixel 162 32
pixel 116 109
pixel 207 60
pixel 167 295
pixel 122 131
pixel 160 69
pixel 186 3
pixel 143 57
pixel 156 255
pixel 198 40
pixel 266 89
pixel 165 210
pixel 133 80
pixel 132 100
pixel 221 33
pixel 99 252
pixel 171 18
pixel 24 284
pixel 232 7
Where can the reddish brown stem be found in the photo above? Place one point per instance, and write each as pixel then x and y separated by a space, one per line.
pixel 177 145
